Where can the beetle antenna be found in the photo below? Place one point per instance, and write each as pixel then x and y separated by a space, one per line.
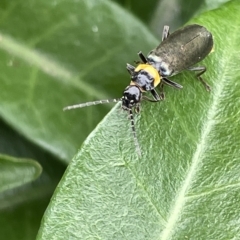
pixel 87 104
pixel 134 131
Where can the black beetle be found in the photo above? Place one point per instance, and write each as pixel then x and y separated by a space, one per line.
pixel 177 52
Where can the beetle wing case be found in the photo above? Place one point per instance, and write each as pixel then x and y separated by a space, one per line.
pixel 181 50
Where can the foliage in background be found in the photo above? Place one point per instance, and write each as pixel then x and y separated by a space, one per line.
pixel 53 54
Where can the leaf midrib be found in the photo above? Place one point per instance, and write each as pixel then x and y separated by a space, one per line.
pixel 208 125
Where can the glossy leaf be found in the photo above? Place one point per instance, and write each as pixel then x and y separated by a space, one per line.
pixel 16 172
pixel 22 206
pixel 175 13
pixel 52 54
pixel 74 51
pixel 186 184
pixel 142 9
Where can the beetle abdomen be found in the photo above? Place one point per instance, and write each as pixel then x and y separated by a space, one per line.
pixel 181 50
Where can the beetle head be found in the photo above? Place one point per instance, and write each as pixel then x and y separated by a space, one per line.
pixel 131 97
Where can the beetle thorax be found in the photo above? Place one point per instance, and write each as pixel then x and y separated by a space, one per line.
pixel 146 77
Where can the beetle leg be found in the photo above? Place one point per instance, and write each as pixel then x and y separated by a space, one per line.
pixel 162 94
pixel 137 62
pixel 137 108
pixel 171 83
pixel 130 68
pixel 165 32
pixel 142 57
pixel 156 97
pixel 202 70
pixel 149 99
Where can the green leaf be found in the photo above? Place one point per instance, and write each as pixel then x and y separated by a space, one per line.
pixel 15 172
pixel 142 9
pixel 22 207
pixel 186 184
pixel 53 54
pixel 74 52
pixel 22 221
pixel 175 13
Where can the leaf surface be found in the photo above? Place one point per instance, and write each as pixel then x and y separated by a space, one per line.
pixel 16 172
pixel 64 57
pixel 186 184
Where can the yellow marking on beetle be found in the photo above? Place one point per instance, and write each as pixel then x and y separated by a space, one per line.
pixel 151 70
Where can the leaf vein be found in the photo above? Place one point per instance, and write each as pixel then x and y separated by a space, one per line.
pixel 139 183
pixel 197 158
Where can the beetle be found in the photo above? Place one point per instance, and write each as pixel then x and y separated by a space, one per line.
pixel 178 51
